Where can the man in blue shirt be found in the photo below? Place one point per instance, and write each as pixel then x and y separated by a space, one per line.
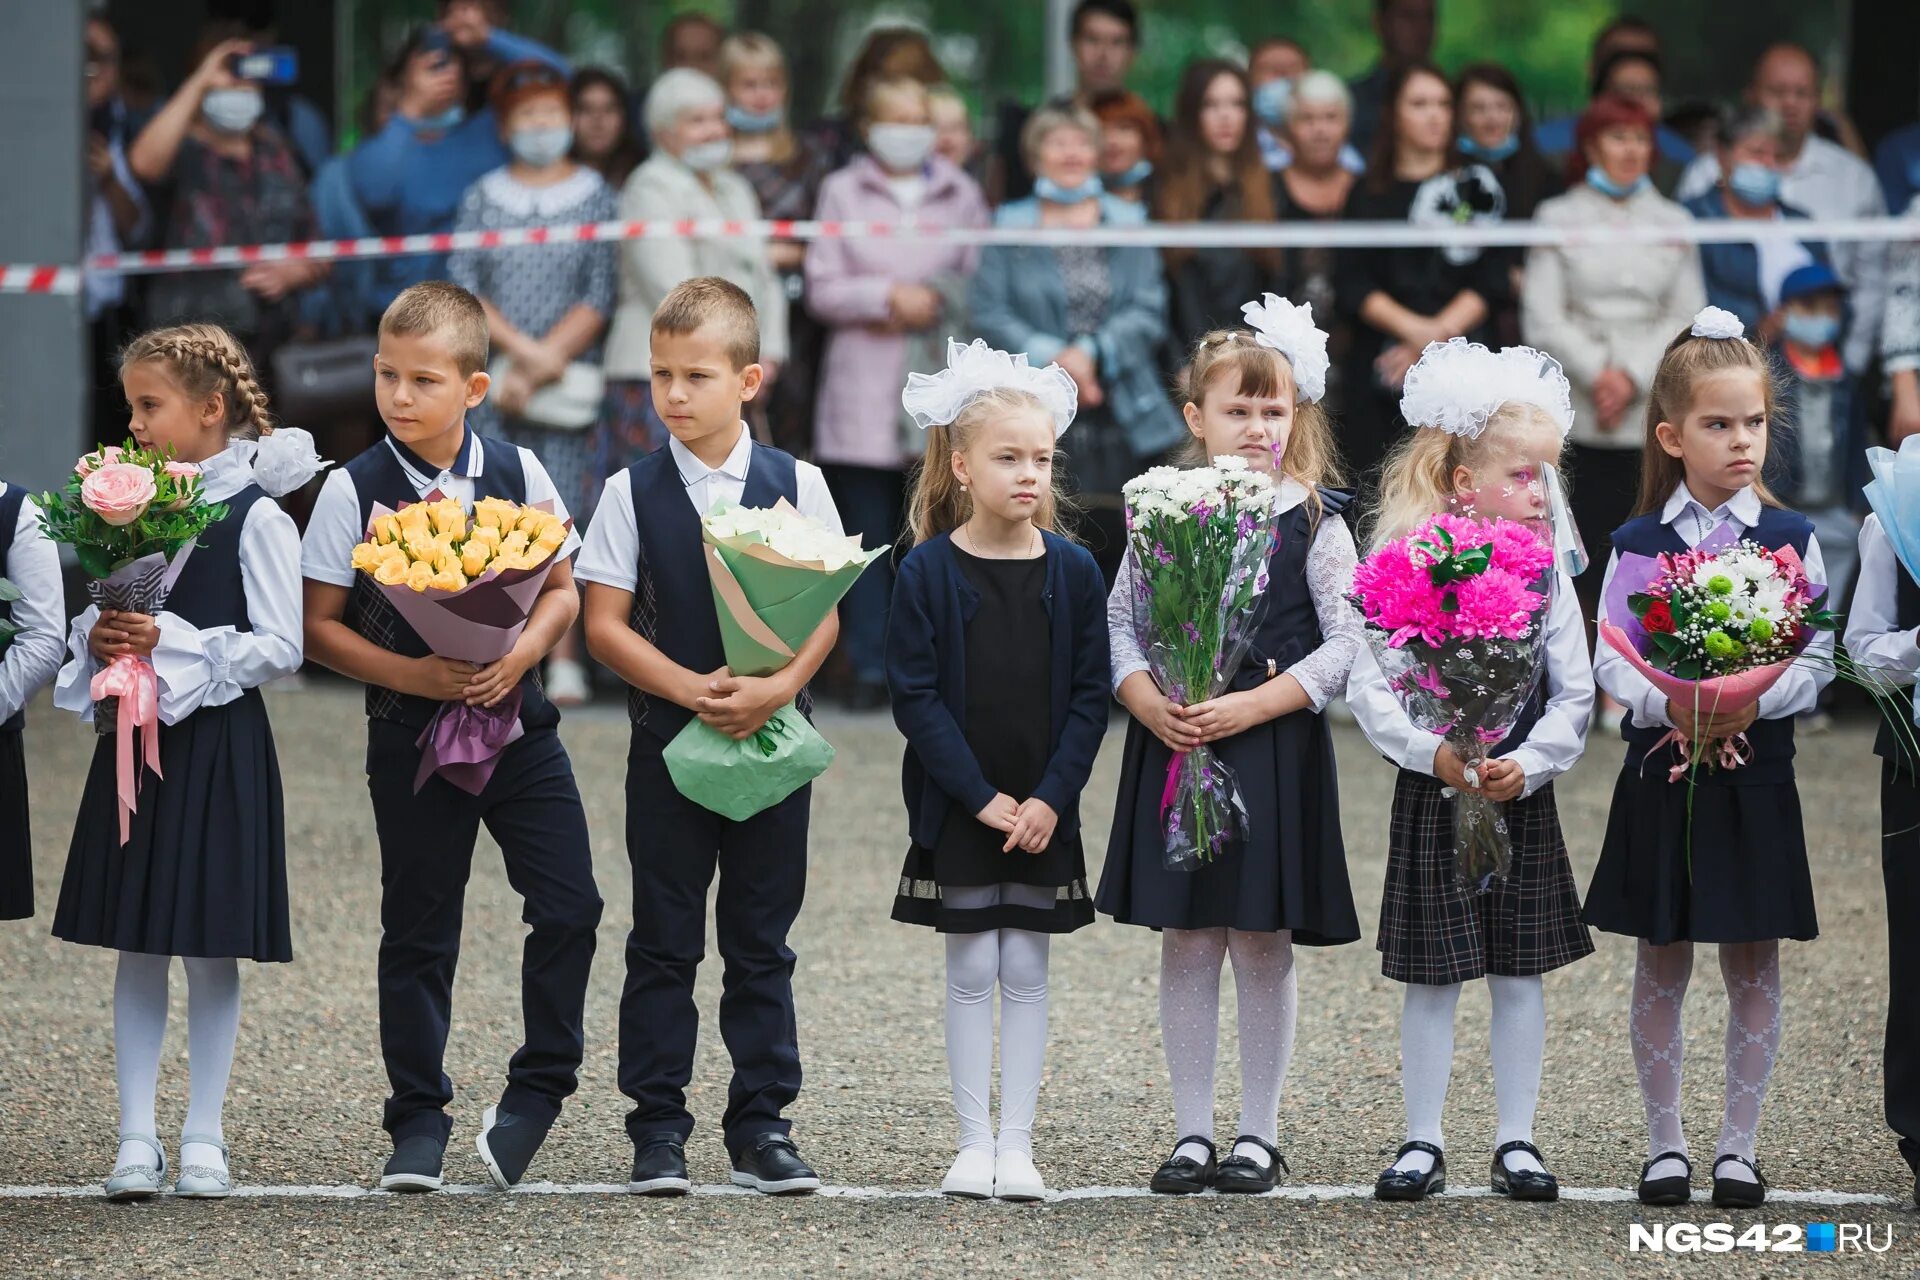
pixel 409 177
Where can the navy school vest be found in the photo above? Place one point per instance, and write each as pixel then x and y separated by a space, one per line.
pixel 1287 626
pixel 379 477
pixel 672 601
pixel 211 591
pixel 10 503
pixel 1890 743
pixel 1771 740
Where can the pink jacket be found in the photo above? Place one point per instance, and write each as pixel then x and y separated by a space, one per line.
pixel 857 413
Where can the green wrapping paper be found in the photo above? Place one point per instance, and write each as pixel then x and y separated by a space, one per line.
pixel 767 604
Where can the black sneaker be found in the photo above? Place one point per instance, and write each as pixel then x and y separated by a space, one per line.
pixel 507 1144
pixel 660 1168
pixel 1242 1175
pixel 772 1164
pixel 414 1165
pixel 1182 1175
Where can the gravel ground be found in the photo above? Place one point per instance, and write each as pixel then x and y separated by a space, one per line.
pixel 307 1084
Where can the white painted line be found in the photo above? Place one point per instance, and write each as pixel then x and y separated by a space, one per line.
pixel 295 1191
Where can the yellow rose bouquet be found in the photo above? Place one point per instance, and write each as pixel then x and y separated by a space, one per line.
pixel 466 583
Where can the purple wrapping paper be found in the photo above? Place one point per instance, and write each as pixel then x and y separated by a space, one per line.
pixel 463 744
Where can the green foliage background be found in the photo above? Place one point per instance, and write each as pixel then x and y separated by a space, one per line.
pixel 995 49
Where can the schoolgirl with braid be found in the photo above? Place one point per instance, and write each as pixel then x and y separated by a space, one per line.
pixel 202 873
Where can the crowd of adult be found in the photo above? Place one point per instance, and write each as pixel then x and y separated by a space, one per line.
pixel 472 126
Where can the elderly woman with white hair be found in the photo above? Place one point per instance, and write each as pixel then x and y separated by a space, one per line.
pixel 688 176
pixel 1315 182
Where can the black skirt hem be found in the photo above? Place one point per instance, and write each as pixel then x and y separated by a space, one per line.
pixel 137 948
pixel 1068 917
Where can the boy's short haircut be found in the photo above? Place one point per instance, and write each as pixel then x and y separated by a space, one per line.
pixel 444 311
pixel 707 300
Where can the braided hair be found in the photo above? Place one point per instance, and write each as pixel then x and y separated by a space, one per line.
pixel 205 359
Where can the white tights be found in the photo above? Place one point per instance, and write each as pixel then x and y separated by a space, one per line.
pixel 1268 994
pixel 140 1028
pixel 1751 972
pixel 1519 1035
pixel 1015 960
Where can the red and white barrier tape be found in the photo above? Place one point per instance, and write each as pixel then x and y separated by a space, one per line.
pixel 63 279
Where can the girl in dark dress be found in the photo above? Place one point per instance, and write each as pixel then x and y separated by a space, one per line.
pixel 1722 859
pixel 202 873
pixel 1488 422
pixel 1249 396
pixel 997 667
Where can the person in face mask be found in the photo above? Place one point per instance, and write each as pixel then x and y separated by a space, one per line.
pixel 231 179
pixel 547 307
pixel 689 175
pixel 887 305
pixel 1495 130
pixel 1129 147
pixel 1745 278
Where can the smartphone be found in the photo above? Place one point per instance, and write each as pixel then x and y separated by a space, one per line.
pixel 278 65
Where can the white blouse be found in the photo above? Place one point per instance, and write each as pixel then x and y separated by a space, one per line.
pixel 33 565
pixel 1329 572
pixel 1558 738
pixel 1874 635
pixel 213 666
pixel 1796 691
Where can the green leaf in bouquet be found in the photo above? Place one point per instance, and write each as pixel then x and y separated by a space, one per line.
pixel 8 630
pixel 96 561
pixel 1640 602
pixel 1690 669
pixel 1668 645
pixel 9 592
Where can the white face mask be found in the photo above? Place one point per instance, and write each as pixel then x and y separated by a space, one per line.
pixel 705 157
pixel 232 110
pixel 901 147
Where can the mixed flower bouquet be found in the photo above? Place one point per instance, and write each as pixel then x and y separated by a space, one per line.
pixel 467 585
pixel 1200 538
pixel 131 516
pixel 1456 615
pixel 1713 629
pixel 775 575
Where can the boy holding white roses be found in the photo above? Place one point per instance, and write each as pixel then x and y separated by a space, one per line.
pixel 650 617
pixel 428 373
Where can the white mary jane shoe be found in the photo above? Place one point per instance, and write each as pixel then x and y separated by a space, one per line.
pixel 203 1181
pixel 138 1181
pixel 971 1177
pixel 1015 1178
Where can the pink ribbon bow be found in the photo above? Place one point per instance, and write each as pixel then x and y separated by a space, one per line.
pixel 1726 753
pixel 132 681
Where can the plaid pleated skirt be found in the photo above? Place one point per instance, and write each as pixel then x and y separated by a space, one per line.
pixel 1434 932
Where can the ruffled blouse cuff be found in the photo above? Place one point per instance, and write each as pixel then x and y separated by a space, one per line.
pixel 73 689
pixel 193 667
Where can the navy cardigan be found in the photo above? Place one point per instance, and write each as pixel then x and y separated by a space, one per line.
pixel 926 674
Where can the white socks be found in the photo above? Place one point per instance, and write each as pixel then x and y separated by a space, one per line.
pixel 1268 995
pixel 1751 972
pixel 1519 1035
pixel 1015 960
pixel 140 1029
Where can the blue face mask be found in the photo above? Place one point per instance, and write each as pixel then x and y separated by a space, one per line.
pixel 740 120
pixel 1131 176
pixel 1810 328
pixel 1494 154
pixel 1597 179
pixel 447 120
pixel 1053 193
pixel 1270 102
pixel 1754 183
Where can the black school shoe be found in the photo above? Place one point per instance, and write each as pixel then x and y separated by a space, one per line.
pixel 1675 1190
pixel 1184 1176
pixel 1523 1184
pixel 1242 1175
pixel 414 1165
pixel 660 1168
pixel 507 1145
pixel 771 1164
pixel 1738 1193
pixel 1399 1184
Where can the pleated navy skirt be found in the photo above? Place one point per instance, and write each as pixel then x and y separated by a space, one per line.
pixel 204 873
pixel 16 841
pixel 1291 871
pixel 1742 876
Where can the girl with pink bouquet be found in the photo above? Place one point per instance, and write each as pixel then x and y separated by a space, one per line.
pixel 1721 858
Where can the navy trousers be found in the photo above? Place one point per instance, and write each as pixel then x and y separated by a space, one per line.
pixel 531 806
pixel 1900 866
pixel 675 846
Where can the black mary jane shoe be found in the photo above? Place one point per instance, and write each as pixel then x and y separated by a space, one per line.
pixel 1523 1184
pixel 1738 1193
pixel 1674 1190
pixel 1242 1175
pixel 1184 1176
pixel 1400 1184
